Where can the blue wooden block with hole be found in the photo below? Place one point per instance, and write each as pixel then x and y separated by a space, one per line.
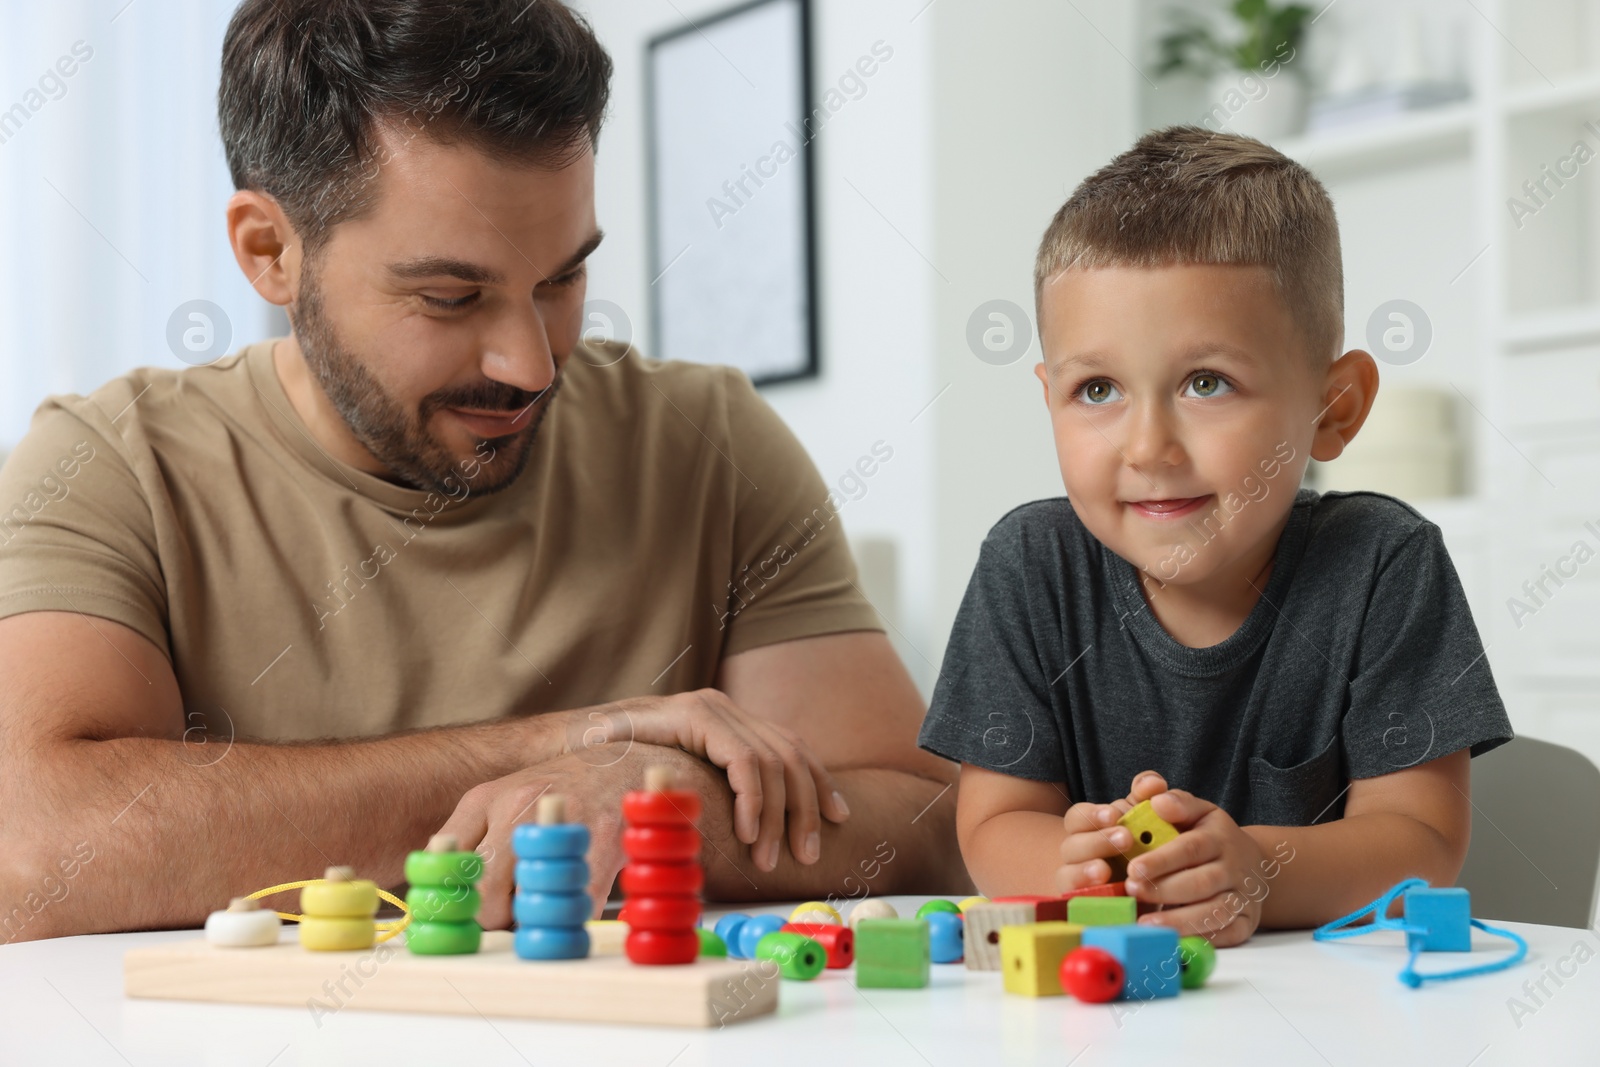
pixel 1442 918
pixel 1149 957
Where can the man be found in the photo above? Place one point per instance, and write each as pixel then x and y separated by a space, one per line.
pixel 431 555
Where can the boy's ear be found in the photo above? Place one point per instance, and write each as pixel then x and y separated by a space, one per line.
pixel 1347 396
pixel 1044 379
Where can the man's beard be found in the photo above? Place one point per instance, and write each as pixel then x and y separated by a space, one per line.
pixel 401 442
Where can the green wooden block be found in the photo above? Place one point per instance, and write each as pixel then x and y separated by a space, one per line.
pixel 1103 911
pixel 892 954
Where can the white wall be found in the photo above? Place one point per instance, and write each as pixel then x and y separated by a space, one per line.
pixel 875 303
pixel 933 191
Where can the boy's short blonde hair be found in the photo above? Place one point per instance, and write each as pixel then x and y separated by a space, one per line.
pixel 1187 194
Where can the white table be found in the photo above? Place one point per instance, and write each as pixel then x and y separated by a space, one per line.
pixel 1281 999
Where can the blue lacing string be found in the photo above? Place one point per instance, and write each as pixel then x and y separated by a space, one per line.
pixel 1340 928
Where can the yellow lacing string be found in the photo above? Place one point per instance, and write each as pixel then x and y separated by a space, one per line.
pixel 387 929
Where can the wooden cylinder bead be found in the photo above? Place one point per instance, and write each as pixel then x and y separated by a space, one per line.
pixel 839 942
pixel 659 777
pixel 336 935
pixel 657 947
pixel 662 879
pixel 551 909
pixel 552 942
pixel 671 808
pixel 340 898
pixel 436 904
pixel 451 869
pixel 443 938
pixel 663 913
pixel 606 936
pixel 243 925
pixel 552 876
pixel 661 844
pixel 538 841
pixel 798 957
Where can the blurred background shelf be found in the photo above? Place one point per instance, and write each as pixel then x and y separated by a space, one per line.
pixel 1382 144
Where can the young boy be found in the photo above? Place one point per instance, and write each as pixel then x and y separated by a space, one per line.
pixel 1301 672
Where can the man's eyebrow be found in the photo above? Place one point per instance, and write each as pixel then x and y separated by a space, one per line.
pixel 447 267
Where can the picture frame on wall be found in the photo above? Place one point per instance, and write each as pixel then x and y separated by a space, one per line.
pixel 731 192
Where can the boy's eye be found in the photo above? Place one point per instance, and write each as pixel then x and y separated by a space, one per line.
pixel 1097 391
pixel 453 304
pixel 1206 384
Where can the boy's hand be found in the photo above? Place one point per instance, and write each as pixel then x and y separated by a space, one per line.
pixel 1093 835
pixel 1207 880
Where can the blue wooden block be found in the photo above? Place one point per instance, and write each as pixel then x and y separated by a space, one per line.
pixel 1149 957
pixel 945 934
pixel 1445 914
pixel 753 930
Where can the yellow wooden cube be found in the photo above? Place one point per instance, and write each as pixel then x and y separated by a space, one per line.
pixel 1149 831
pixel 1031 956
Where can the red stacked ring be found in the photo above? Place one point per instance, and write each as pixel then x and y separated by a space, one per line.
pixel 662 880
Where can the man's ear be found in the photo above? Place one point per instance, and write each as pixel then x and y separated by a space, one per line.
pixel 265 245
pixel 1348 392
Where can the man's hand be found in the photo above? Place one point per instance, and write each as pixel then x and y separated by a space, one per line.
pixel 486 814
pixel 772 772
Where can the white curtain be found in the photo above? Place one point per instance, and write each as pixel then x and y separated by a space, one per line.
pixel 112 192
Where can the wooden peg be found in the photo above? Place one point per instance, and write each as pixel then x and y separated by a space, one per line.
pixel 552 810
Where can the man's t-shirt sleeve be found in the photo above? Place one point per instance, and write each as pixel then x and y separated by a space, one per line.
pixel 792 572
pixel 1423 688
pixel 991 705
pixel 77 533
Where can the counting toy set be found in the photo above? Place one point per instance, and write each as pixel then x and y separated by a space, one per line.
pixel 659 965
pixel 558 965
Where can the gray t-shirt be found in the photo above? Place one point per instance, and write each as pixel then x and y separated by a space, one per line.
pixel 1360 659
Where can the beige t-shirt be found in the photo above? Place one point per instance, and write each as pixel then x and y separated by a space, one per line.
pixel 666 519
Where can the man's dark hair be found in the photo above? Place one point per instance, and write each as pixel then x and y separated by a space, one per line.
pixel 304 82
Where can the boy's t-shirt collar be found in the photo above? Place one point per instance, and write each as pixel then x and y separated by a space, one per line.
pixel 1123 579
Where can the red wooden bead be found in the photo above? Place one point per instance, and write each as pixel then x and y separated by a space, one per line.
pixel 670 807
pixel 662 913
pixel 839 942
pixel 662 879
pixel 655 844
pixel 662 946
pixel 1092 975
pixel 1046 909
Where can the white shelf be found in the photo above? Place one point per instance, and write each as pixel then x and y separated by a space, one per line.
pixel 1384 144
pixel 1552 329
pixel 1581 89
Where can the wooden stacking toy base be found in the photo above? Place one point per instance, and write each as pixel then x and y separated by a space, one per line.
pixel 493 981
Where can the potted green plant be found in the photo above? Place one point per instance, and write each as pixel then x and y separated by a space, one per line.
pixel 1255 73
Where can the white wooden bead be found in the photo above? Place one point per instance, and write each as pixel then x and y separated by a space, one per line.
pixel 243 926
pixel 872 908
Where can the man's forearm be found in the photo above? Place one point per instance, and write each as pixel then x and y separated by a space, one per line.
pixel 157 833
pixel 900 838
pixel 1314 874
